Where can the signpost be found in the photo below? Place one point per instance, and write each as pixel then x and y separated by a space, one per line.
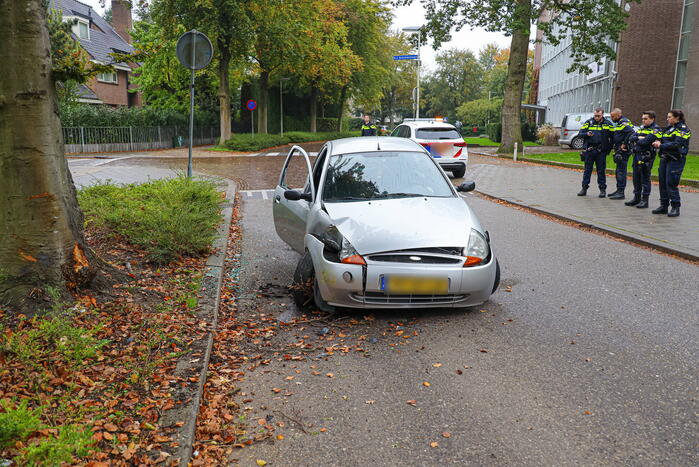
pixel 406 57
pixel 251 106
pixel 194 51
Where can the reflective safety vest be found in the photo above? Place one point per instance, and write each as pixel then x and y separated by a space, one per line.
pixel 601 134
pixel 674 139
pixel 643 139
pixel 368 130
pixel 621 132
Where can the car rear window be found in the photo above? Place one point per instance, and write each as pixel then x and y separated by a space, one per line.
pixel 437 133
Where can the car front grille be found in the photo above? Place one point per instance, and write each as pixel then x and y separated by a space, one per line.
pixel 424 259
pixel 379 298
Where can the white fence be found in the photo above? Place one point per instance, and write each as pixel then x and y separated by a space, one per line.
pixel 113 139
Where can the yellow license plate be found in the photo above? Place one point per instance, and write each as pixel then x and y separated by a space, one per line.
pixel 415 285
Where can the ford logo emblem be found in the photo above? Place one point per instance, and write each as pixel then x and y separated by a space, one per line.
pixel 415 258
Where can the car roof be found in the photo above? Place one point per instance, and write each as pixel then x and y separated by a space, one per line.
pixel 373 144
pixel 429 123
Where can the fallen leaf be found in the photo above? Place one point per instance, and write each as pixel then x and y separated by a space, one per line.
pixel 426 384
pixel 411 402
pixel 436 365
pixel 260 462
pixel 446 434
pixel 434 444
pixel 370 402
pixel 587 412
pixel 459 372
pixel 323 430
pixel 280 437
pixel 483 350
pixel 276 390
pixel 329 375
pixel 110 427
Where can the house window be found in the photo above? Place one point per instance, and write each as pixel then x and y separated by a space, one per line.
pixel 683 53
pixel 107 77
pixel 82 30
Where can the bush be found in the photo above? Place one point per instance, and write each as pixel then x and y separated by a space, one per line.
pixel 547 135
pixel 355 123
pixel 248 142
pixel 479 112
pixel 76 115
pixel 18 423
pixel 326 124
pixel 494 131
pixel 167 218
pixel 71 441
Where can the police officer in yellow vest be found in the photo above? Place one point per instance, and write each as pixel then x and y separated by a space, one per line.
pixel 673 146
pixel 368 128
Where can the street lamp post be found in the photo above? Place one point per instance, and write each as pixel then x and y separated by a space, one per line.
pixel 281 105
pixel 416 30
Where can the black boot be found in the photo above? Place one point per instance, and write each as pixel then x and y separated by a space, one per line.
pixel 634 201
pixel 582 192
pixel 602 192
pixel 674 212
pixel 643 204
pixel 617 195
pixel 660 210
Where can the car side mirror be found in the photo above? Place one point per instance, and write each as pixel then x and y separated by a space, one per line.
pixel 293 195
pixel 466 187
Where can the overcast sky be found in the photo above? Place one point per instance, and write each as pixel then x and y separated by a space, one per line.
pixel 414 15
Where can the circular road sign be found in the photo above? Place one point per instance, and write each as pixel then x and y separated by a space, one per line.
pixel 194 50
pixel 251 105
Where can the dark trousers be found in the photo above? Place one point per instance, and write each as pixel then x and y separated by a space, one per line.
pixel 641 176
pixel 622 167
pixel 599 160
pixel 669 174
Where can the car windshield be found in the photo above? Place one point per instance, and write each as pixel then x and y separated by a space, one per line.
pixel 437 133
pixel 380 175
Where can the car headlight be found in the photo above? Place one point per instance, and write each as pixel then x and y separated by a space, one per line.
pixel 477 250
pixel 337 243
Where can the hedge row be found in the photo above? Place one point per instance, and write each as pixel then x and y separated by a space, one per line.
pixel 76 115
pixel 248 142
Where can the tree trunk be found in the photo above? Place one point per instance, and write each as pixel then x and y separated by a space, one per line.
pixel 343 98
pixel 314 107
pixel 41 238
pixel 516 74
pixel 263 108
pixel 391 98
pixel 224 92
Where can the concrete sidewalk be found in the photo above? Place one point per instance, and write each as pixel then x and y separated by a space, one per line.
pixel 553 191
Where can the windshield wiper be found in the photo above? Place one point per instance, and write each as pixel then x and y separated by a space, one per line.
pixel 401 195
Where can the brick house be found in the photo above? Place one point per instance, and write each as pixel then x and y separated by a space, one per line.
pixel 99 39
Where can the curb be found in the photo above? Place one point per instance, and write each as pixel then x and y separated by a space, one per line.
pixel 685 182
pixel 601 228
pixel 194 364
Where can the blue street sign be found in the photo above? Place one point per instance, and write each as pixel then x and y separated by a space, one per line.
pixel 251 105
pixel 406 57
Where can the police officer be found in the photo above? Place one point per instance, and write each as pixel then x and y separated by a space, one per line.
pixel 368 128
pixel 597 135
pixel 673 146
pixel 641 144
pixel 621 130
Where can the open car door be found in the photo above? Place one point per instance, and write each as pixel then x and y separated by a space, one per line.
pixel 291 215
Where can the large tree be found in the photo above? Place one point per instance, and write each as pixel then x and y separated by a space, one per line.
pixel 41 238
pixel 458 79
pixel 593 25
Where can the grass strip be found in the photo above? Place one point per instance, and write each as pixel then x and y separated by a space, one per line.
pixel 691 168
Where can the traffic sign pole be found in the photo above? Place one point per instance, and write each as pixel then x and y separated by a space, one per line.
pixel 191 115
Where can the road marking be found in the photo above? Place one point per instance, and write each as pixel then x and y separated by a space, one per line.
pixel 264 195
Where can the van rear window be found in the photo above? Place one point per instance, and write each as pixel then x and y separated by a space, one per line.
pixel 565 120
pixel 437 133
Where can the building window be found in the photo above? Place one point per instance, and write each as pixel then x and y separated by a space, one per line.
pixel 683 53
pixel 82 30
pixel 107 78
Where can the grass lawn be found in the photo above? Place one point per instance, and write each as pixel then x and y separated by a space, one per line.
pixel 488 142
pixel 691 168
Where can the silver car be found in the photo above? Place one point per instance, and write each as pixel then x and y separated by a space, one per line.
pixel 379 225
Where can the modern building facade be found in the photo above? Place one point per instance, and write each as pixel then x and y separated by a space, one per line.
pixel 100 39
pixel 657 68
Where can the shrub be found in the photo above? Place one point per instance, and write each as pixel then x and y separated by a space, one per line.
pixel 16 424
pixel 70 442
pixel 547 135
pixel 247 142
pixel 76 115
pixel 494 131
pixel 355 123
pixel 167 218
pixel 326 124
pixel 479 112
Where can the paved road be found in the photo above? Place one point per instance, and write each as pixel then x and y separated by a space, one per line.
pixel 591 351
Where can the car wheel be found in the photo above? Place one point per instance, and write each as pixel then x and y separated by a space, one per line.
pixel 459 173
pixel 304 282
pixel 577 143
pixel 305 288
pixel 497 277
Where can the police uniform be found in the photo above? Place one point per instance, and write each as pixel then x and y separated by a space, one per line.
pixel 643 158
pixel 674 146
pixel 368 130
pixel 596 148
pixel 621 131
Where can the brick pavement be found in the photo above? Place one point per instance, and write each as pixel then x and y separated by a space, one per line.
pixel 553 191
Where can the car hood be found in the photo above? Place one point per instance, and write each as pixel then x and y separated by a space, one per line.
pixel 403 223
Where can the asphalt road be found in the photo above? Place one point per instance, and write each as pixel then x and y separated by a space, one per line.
pixel 586 355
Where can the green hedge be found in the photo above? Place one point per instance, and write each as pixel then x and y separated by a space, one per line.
pixel 248 142
pixel 76 115
pixel 494 131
